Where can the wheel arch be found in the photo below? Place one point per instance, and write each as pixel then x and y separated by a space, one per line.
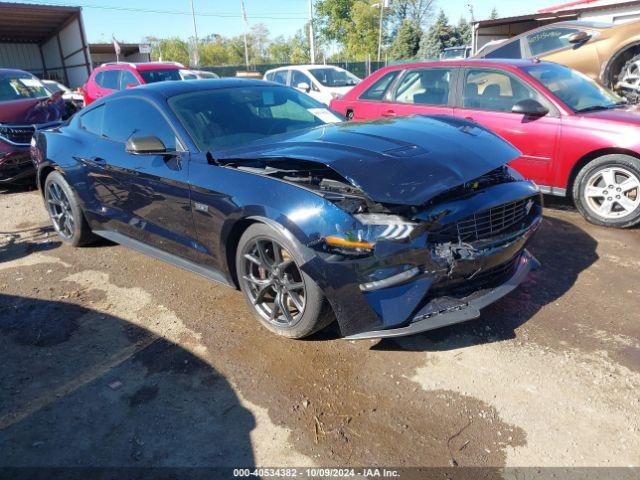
pixel 591 156
pixel 43 173
pixel 617 60
pixel 232 240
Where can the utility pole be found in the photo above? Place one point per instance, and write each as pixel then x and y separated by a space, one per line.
pixel 196 53
pixel 312 50
pixel 246 28
pixel 382 5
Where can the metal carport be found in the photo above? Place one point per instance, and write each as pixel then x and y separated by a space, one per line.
pixel 48 41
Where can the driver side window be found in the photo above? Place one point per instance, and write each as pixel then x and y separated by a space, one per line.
pixel 549 40
pixel 126 117
pixel 495 91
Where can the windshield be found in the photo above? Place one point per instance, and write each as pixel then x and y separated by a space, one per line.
pixel 333 77
pixel 160 75
pixel 576 90
pixel 229 117
pixel 454 53
pixel 18 86
pixel 187 75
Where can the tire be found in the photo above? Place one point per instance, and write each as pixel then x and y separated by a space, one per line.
pixel 263 278
pixel 65 212
pixel 617 207
pixel 631 67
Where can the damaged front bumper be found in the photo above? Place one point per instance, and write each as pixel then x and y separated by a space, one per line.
pixel 456 310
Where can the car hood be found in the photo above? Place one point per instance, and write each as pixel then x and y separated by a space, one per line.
pixel 32 111
pixel 404 161
pixel 629 115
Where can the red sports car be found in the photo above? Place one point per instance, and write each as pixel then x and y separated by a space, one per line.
pixel 576 137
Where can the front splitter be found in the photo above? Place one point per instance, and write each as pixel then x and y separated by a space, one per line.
pixel 469 308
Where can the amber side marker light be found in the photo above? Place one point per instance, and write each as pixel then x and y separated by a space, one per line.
pixel 341 242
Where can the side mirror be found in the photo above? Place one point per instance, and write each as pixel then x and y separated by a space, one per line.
pixel 131 85
pixel 530 107
pixel 147 146
pixel 579 37
pixel 304 86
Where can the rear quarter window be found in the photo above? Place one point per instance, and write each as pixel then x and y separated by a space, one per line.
pixel 91 121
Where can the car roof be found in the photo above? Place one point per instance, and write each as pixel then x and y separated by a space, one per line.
pixel 304 67
pixel 172 88
pixel 461 62
pixel 144 65
pixel 13 70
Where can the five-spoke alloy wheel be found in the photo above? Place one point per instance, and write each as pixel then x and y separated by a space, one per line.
pixel 274 283
pixel 607 191
pixel 286 300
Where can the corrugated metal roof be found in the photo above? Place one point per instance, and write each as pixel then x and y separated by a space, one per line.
pixel 32 23
pixel 559 15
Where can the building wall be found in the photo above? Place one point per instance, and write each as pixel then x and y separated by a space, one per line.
pixel 25 56
pixel 613 15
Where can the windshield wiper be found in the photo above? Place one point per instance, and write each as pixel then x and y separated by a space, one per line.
pixel 595 108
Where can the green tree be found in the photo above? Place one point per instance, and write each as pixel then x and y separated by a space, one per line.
pixel 213 51
pixel 362 38
pixel 352 24
pixel 407 41
pixel 439 36
pixel 494 14
pixel 279 50
pixel 171 50
pixel 334 18
pixel 462 33
pixel 417 11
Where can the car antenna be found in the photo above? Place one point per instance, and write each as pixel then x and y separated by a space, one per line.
pixel 211 160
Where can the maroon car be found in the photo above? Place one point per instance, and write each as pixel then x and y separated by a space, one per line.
pixel 25 106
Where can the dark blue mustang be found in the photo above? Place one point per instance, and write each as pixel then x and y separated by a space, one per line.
pixel 391 227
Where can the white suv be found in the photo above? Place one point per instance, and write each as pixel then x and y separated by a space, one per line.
pixel 322 82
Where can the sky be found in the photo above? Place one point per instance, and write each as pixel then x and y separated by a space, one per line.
pixel 125 19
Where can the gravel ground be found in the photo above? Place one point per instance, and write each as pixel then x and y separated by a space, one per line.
pixel 110 358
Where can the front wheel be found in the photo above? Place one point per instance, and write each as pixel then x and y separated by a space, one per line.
pixel 607 191
pixel 283 297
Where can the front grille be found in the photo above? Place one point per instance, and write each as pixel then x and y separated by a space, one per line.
pixel 505 218
pixel 489 278
pixel 17 134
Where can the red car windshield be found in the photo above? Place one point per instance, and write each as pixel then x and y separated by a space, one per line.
pixel 160 75
pixel 20 86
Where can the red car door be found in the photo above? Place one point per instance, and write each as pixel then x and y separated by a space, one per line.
pixel 426 90
pixel 488 97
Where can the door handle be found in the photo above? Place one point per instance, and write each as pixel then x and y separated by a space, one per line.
pixel 389 113
pixel 469 118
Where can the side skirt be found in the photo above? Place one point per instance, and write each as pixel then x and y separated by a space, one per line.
pixel 169 258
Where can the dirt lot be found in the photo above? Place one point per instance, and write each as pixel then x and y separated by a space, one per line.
pixel 112 358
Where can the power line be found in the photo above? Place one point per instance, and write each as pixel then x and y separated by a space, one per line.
pixel 162 12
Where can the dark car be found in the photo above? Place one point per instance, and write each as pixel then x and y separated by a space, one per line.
pixel 391 227
pixel 25 105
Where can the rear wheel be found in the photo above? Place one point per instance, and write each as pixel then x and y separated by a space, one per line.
pixel 65 212
pixel 284 298
pixel 607 191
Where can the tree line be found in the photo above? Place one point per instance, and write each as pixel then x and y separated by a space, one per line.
pixel 345 30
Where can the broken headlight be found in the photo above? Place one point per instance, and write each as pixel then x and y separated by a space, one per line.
pixel 381 226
